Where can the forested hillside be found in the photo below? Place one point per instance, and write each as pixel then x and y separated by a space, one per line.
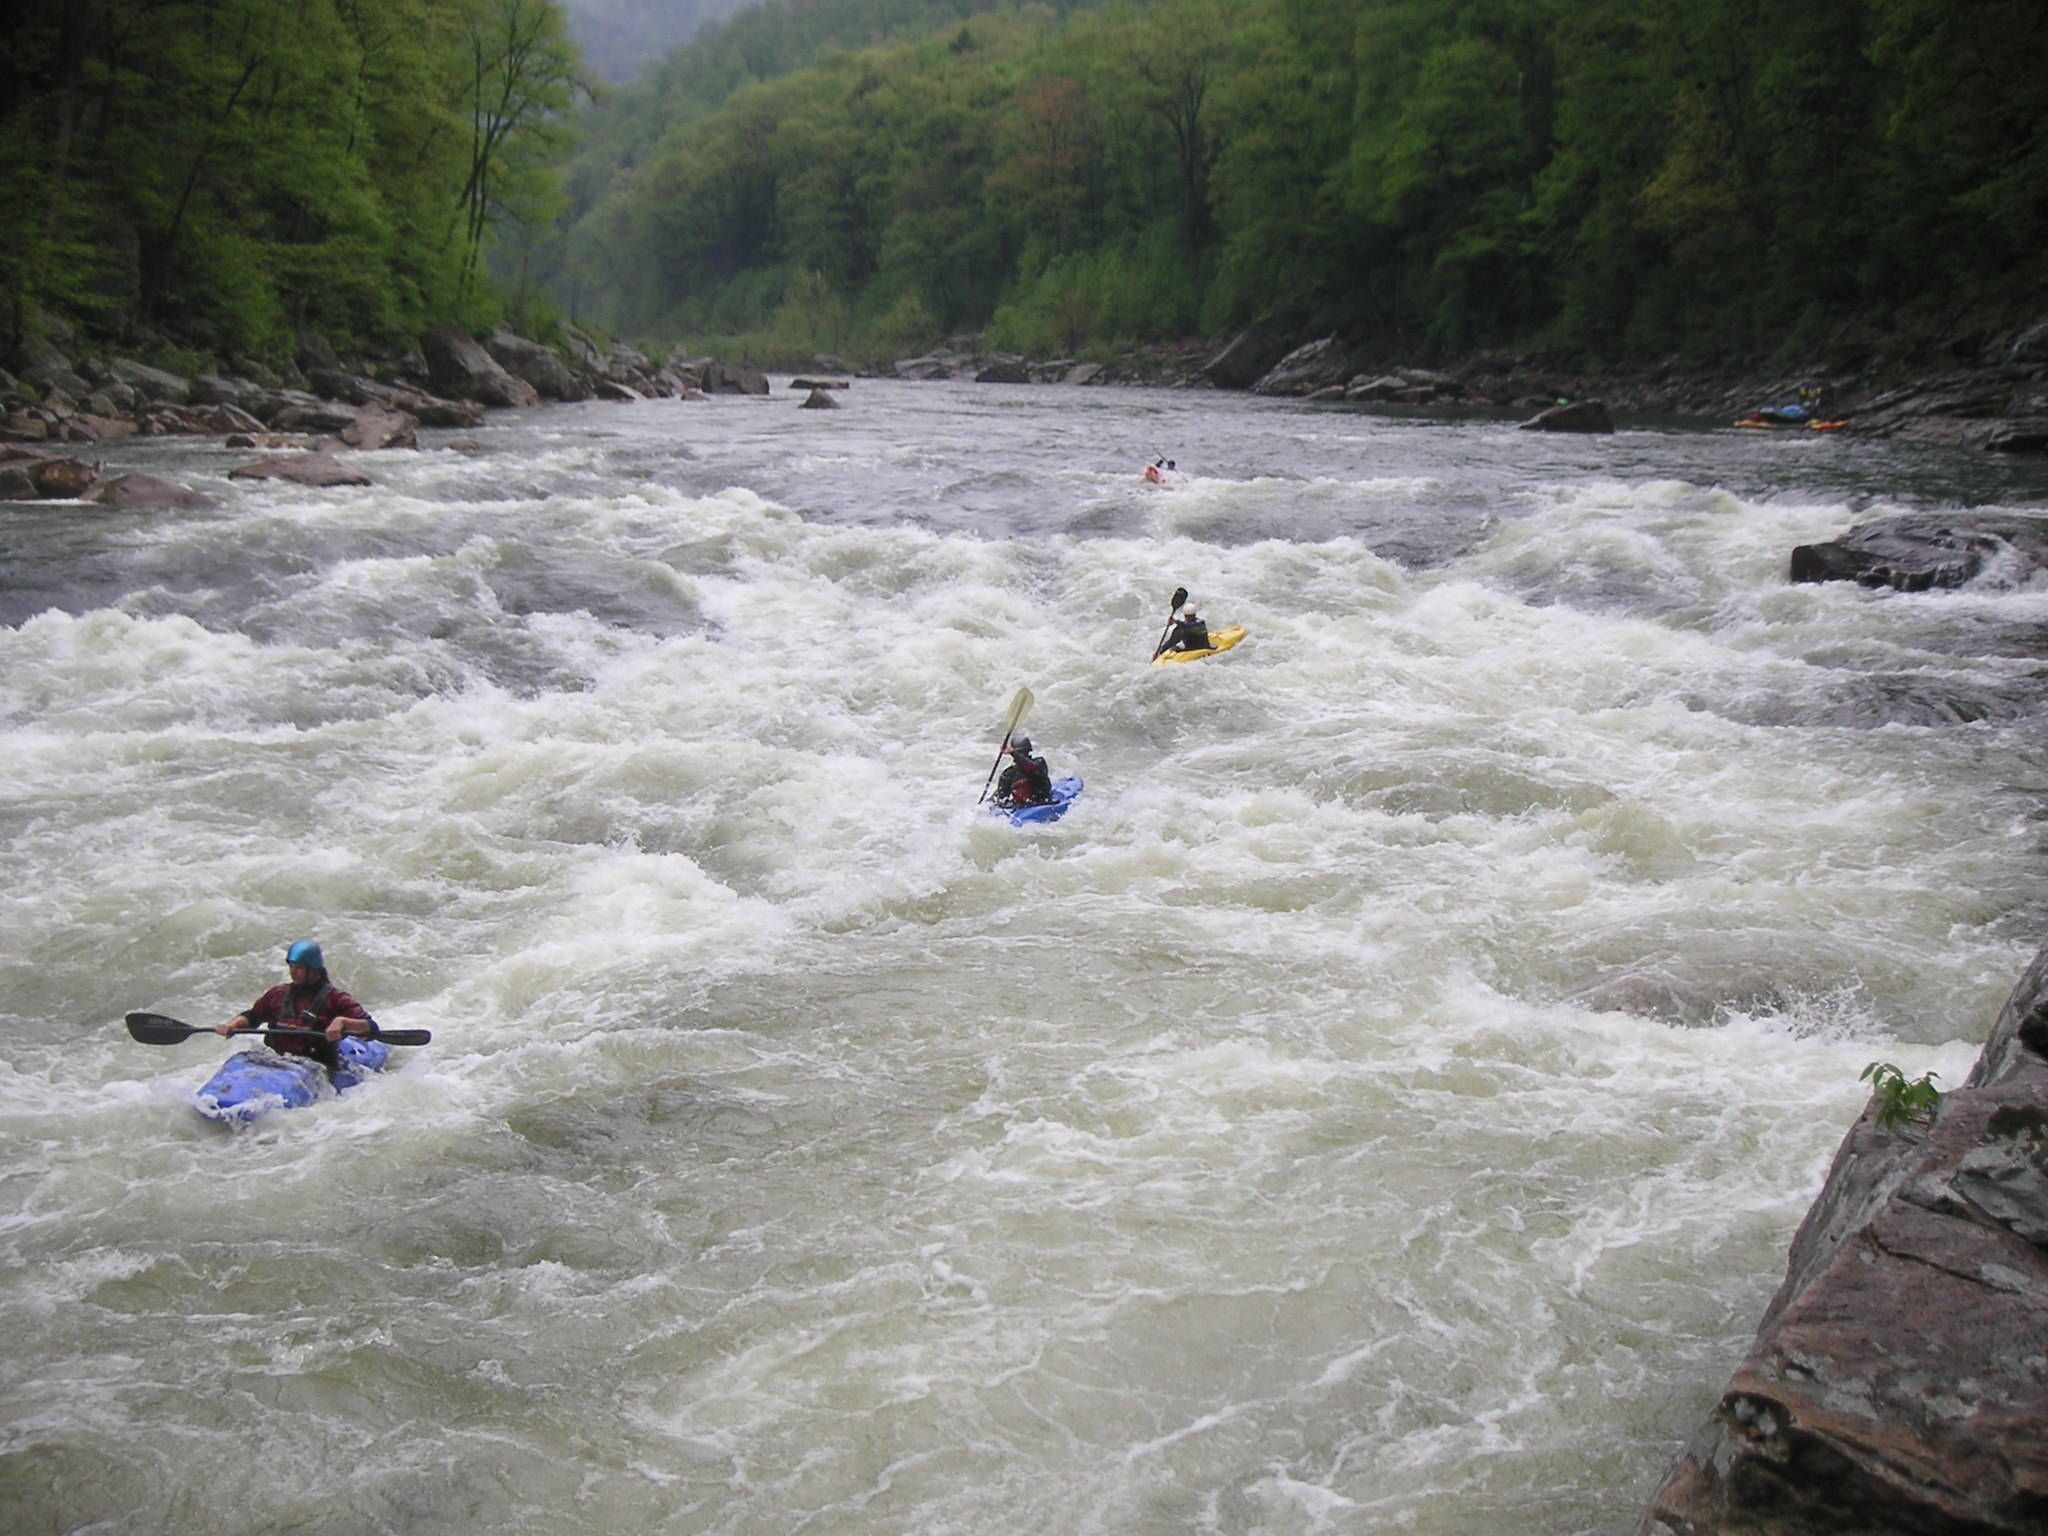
pixel 1726 179
pixel 223 173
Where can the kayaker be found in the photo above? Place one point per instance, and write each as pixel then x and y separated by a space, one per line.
pixel 1027 781
pixel 1190 633
pixel 308 1001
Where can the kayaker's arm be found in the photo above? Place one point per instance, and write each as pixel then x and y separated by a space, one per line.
pixel 348 1024
pixel 234 1026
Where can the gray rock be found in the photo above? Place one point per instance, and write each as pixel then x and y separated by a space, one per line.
pixel 730 379
pixel 257 373
pixel 536 364
pixel 1250 356
pixel 819 400
pixel 1308 368
pixel 56 373
pixel 151 383
pixel 1899 1380
pixel 218 389
pixel 1917 551
pixel 463 369
pixel 141 493
pixel 1386 386
pixel 62 479
pixel 934 365
pixel 302 469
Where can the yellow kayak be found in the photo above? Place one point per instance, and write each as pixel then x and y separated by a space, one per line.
pixel 1219 640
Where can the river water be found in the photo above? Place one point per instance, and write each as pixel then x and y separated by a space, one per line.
pixel 1383 1104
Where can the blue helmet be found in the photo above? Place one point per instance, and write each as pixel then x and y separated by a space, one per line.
pixel 305 952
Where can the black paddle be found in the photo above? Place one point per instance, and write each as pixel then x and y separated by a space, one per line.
pixel 1019 702
pixel 159 1029
pixel 1180 595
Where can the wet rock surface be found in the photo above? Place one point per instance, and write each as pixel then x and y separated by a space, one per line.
pixel 1899 1380
pixel 1918 551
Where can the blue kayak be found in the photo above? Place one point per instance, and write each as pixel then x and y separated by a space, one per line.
pixel 1064 792
pixel 253 1083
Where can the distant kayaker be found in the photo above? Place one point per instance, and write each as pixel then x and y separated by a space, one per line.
pixel 1027 781
pixel 1190 633
pixel 308 1001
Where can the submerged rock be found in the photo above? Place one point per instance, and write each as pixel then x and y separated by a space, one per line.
pixel 1577 416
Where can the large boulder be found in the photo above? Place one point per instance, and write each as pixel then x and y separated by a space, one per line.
pixel 1899 1381
pixel 146 493
pixel 151 383
pixel 1916 551
pixel 733 379
pixel 354 426
pixel 536 364
pixel 462 368
pixel 55 372
pixel 1250 356
pixel 302 469
pixel 220 389
pixel 933 365
pixel 2002 409
pixel 1320 364
pixel 62 479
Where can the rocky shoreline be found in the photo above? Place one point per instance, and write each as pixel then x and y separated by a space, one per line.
pixel 299 418
pixel 63 394
pixel 1899 1380
pixel 1999 405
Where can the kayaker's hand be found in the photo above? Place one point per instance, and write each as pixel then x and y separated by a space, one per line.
pixel 336 1028
pixel 233 1026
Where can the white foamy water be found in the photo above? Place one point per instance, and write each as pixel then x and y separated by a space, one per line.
pixel 1382 1104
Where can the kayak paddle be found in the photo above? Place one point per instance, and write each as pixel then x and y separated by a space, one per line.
pixel 1019 702
pixel 1180 595
pixel 159 1029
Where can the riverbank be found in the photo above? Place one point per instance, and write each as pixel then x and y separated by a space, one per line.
pixel 1998 402
pixel 60 390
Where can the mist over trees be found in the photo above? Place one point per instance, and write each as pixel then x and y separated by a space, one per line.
pixel 1603 178
pixel 619 38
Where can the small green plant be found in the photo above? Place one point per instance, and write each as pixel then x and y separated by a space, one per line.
pixel 1900 1099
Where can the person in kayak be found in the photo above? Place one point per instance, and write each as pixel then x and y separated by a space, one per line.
pixel 1190 633
pixel 308 1001
pixel 1027 781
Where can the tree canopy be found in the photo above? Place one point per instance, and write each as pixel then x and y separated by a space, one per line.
pixel 228 172
pixel 1606 178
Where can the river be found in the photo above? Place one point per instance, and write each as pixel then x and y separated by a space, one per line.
pixel 1382 1104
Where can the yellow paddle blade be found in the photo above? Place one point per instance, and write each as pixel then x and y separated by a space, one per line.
pixel 1019 702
